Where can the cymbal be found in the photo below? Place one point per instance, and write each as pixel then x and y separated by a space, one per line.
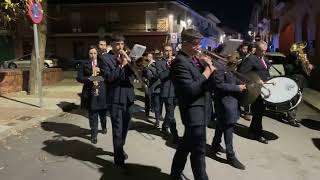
pixel 253 89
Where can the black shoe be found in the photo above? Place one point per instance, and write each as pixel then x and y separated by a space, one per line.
pixel 125 155
pixel 157 124
pixel 262 140
pixel 294 123
pixel 234 162
pixel 120 164
pixel 165 131
pixel 104 131
pixel 218 148
pixel 94 140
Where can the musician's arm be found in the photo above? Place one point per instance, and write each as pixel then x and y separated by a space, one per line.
pixel 222 85
pixel 113 74
pixel 180 73
pixel 81 78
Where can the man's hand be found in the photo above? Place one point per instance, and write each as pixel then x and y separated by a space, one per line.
pixel 311 67
pixel 242 87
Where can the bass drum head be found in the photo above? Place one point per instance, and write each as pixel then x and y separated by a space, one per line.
pixel 279 90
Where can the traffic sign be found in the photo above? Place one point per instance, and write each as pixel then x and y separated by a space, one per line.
pixel 35 11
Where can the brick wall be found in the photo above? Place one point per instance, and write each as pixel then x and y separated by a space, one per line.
pixel 17 80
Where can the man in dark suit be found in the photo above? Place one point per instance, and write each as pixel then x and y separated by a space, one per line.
pixel 154 89
pixel 167 93
pixel 259 64
pixel 120 94
pixel 190 75
pixel 227 90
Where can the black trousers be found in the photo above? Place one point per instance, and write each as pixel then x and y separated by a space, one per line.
pixel 169 120
pixel 227 131
pixel 93 120
pixel 147 103
pixel 194 142
pixel 120 119
pixel 258 108
pixel 156 104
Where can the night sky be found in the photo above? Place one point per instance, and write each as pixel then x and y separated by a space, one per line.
pixel 232 13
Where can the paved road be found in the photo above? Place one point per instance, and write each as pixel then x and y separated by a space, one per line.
pixel 60 149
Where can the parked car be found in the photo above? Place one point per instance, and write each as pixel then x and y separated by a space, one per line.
pixel 277 60
pixel 76 63
pixel 25 62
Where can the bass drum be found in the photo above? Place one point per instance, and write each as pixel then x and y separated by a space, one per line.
pixel 281 94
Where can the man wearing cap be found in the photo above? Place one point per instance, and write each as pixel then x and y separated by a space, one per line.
pixel 190 73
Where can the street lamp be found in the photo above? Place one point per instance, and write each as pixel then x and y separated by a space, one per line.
pixel 189 22
pixel 170 23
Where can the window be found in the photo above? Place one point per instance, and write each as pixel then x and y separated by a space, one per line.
pixel 75 22
pixel 151 20
pixel 112 16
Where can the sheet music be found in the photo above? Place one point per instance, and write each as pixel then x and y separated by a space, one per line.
pixel 137 51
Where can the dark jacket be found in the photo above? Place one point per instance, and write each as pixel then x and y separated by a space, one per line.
pixel 154 82
pixel 88 101
pixel 192 90
pixel 253 63
pixel 226 96
pixel 163 73
pixel 119 81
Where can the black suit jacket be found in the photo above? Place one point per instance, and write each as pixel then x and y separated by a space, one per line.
pixel 88 101
pixel 163 73
pixel 192 90
pixel 154 82
pixel 227 93
pixel 119 81
pixel 253 63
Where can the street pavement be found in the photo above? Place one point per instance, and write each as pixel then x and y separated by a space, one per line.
pixel 53 143
pixel 59 148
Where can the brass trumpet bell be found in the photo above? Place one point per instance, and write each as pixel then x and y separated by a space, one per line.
pixel 298 46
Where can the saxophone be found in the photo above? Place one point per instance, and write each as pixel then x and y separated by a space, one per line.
pixel 95 88
pixel 297 48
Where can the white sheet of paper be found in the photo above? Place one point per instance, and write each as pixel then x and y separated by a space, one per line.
pixel 137 51
pixel 231 46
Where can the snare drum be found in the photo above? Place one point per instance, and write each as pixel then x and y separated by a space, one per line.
pixel 281 94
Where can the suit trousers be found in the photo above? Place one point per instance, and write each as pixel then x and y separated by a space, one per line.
pixel 93 120
pixel 147 103
pixel 169 120
pixel 156 105
pixel 258 108
pixel 227 131
pixel 120 119
pixel 194 142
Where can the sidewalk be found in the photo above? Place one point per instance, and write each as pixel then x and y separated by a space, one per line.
pixel 312 98
pixel 19 111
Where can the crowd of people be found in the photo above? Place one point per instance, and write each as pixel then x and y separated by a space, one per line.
pixel 202 87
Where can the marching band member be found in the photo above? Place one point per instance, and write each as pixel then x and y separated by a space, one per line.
pixel 227 90
pixel 167 93
pixel 259 64
pixel 154 89
pixel 94 103
pixel 120 94
pixel 190 78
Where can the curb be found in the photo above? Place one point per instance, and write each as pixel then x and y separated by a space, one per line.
pixel 34 121
pixel 311 106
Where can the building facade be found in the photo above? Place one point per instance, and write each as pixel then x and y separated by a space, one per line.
pixel 73 27
pixel 284 22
